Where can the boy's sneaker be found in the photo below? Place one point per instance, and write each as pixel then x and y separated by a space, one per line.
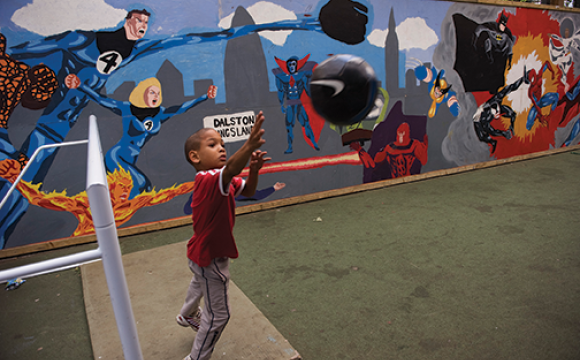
pixel 192 322
pixel 187 357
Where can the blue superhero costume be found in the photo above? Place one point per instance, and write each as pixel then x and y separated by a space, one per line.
pixel 139 126
pixel 438 90
pixel 539 101
pixel 94 56
pixel 292 79
pixel 575 131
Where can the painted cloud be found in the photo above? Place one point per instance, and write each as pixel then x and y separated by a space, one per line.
pixel 80 15
pixel 266 12
pixel 412 33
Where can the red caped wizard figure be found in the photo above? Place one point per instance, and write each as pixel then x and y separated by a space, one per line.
pixel 292 79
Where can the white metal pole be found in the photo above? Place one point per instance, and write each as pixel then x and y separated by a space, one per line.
pixel 52 264
pixel 25 270
pixel 106 231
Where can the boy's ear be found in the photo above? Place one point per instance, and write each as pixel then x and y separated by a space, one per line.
pixel 194 157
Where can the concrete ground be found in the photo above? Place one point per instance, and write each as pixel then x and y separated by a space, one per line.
pixel 157 279
pixel 477 265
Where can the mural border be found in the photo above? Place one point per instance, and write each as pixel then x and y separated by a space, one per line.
pixel 557 5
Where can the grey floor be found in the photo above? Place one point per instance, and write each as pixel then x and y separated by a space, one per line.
pixel 478 265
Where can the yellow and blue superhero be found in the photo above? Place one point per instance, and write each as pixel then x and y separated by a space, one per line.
pixel 439 90
pixel 142 118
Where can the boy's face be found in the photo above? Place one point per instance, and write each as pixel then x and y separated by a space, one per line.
pixel 211 153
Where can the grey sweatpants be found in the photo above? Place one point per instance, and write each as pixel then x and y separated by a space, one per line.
pixel 212 283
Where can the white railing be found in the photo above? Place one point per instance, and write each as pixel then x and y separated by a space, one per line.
pixel 36 152
pixel 107 239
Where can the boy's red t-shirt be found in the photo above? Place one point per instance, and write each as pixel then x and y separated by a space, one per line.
pixel 214 215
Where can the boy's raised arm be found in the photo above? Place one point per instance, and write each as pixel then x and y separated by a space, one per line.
pixel 256 162
pixel 239 159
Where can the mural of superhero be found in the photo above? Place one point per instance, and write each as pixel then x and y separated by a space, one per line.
pixel 292 81
pixel 120 185
pixel 495 39
pixel 483 51
pixel 403 152
pixel 468 68
pixel 570 103
pixel 539 101
pixel 493 109
pixel 394 152
pixel 92 56
pixel 439 90
pixel 21 84
pixel 95 55
pixel 31 87
pixel 573 134
pixel 142 118
pixel 400 155
pixel 561 47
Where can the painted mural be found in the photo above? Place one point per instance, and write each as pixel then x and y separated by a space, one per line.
pixel 460 84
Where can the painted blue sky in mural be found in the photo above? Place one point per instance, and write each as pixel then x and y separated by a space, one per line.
pixel 418 34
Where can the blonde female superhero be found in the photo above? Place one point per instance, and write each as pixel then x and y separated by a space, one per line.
pixel 142 118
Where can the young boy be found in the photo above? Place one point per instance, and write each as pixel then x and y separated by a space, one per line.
pixel 213 244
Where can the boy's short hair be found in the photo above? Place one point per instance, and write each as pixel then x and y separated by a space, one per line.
pixel 193 142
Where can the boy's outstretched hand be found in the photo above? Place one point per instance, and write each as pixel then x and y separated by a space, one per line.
pixel 255 140
pixel 258 159
pixel 239 159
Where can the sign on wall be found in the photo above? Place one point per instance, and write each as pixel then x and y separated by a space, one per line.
pixel 231 127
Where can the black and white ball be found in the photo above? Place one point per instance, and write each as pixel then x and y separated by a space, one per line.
pixel 343 89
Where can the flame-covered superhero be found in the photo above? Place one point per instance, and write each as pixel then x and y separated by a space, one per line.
pixel 120 185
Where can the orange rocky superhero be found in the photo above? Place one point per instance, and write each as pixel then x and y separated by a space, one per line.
pixel 21 84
